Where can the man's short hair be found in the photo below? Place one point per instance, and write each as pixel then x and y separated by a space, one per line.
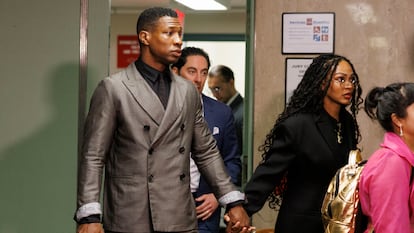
pixel 149 17
pixel 190 51
pixel 222 71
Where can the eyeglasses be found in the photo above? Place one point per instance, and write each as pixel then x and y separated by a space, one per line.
pixel 215 89
pixel 341 81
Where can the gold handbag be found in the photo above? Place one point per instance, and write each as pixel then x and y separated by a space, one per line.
pixel 340 210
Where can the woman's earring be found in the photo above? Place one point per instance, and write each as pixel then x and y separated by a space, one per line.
pixel 401 131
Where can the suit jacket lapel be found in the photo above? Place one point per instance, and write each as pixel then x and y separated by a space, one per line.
pixel 175 104
pixel 206 106
pixel 236 101
pixel 143 94
pixel 324 126
pixel 149 101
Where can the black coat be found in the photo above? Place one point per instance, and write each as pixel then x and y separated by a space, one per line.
pixel 306 146
pixel 238 112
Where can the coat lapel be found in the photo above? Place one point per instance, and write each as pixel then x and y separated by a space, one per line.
pixel 206 106
pixel 324 126
pixel 236 101
pixel 175 104
pixel 143 94
pixel 151 104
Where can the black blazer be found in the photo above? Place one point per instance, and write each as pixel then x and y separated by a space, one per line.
pixel 238 112
pixel 306 146
pixel 220 121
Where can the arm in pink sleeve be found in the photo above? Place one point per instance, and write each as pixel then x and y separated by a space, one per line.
pixel 388 190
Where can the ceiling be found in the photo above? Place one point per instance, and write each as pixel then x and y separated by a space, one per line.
pixel 131 5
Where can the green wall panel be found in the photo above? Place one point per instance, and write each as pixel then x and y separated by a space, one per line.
pixel 39 79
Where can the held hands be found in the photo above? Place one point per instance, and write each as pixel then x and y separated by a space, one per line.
pixel 90 228
pixel 238 221
pixel 208 205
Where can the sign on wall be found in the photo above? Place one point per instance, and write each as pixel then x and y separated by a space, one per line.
pixel 128 50
pixel 308 33
pixel 295 69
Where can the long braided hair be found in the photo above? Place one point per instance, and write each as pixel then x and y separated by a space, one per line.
pixel 308 98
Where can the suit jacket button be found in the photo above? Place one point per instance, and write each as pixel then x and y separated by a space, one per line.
pixel 182 127
pixel 150 151
pixel 146 127
pixel 150 178
pixel 181 150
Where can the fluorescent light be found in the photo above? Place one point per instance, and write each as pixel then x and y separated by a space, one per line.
pixel 203 5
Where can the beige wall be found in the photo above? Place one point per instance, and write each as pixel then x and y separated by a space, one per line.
pixel 39 102
pixel 376 35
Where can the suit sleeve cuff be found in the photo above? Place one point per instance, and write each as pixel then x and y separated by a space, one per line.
pixel 231 197
pixel 94 218
pixel 93 208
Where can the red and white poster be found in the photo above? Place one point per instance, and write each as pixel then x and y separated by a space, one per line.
pixel 128 50
pixel 181 17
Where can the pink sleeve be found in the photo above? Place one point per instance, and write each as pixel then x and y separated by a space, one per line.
pixel 385 184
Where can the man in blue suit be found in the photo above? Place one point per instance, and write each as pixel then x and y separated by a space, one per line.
pixel 193 65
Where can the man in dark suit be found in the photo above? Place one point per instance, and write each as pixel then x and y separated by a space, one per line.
pixel 142 124
pixel 193 65
pixel 221 84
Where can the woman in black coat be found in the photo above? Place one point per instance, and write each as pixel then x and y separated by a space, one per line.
pixel 310 140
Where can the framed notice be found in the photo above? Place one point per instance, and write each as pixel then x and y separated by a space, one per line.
pixel 308 33
pixel 128 50
pixel 295 69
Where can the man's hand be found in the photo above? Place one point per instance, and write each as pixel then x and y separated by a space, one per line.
pixel 238 220
pixel 237 229
pixel 208 205
pixel 90 228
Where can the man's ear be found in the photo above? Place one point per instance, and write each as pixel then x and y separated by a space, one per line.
pixel 175 70
pixel 231 81
pixel 143 37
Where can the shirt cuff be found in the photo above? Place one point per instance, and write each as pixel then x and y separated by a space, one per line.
pixel 233 196
pixel 86 210
pixel 94 218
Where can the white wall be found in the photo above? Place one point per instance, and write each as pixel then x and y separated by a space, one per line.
pixel 228 53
